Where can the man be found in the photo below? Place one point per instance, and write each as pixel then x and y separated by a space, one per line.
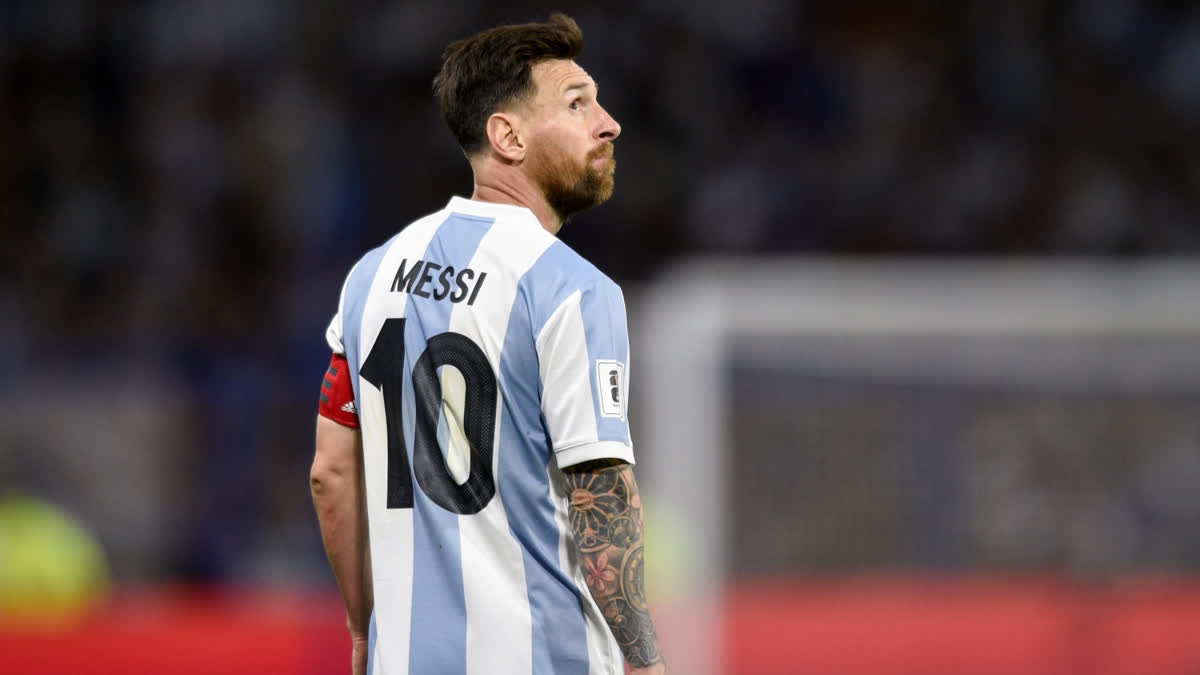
pixel 486 363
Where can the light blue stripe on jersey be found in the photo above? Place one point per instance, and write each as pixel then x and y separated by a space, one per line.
pixel 438 636
pixel 603 312
pixel 354 301
pixel 558 630
pixel 556 275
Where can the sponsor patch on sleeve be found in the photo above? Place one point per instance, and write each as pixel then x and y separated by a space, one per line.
pixel 610 381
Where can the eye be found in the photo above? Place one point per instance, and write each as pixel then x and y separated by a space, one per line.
pixel 576 104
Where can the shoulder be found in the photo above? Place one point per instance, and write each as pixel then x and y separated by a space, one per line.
pixel 368 263
pixel 561 278
pixel 563 268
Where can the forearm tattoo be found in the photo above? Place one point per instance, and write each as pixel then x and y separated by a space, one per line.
pixel 606 519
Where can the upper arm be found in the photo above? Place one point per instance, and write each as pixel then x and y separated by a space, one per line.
pixel 336 399
pixel 337 448
pixel 338 440
pixel 334 333
pixel 583 361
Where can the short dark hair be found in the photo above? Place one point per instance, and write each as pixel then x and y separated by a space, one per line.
pixel 490 70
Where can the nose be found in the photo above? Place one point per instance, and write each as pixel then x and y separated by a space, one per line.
pixel 609 129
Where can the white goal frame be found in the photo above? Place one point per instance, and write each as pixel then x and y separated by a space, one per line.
pixel 685 322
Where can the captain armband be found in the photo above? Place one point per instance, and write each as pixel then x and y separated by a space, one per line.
pixel 337 396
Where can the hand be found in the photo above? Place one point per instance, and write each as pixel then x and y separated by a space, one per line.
pixel 358 658
pixel 656 669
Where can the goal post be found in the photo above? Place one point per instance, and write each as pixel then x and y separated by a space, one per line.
pixel 1132 326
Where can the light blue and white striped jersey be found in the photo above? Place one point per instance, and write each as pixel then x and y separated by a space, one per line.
pixel 485 354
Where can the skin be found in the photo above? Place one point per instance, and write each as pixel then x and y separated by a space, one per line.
pixel 606 521
pixel 559 135
pixel 335 481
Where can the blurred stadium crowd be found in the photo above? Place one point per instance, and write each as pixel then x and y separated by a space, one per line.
pixel 185 183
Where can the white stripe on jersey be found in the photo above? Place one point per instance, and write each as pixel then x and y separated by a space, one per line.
pixel 567 401
pixel 509 249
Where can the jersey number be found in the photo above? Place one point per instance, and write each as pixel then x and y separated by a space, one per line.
pixel 384 368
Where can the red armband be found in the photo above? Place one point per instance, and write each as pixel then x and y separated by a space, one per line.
pixel 337 396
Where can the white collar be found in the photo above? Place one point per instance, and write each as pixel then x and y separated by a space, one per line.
pixel 475 207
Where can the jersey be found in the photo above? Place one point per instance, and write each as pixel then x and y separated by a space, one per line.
pixel 485 355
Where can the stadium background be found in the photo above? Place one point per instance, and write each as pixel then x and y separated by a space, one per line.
pixel 183 185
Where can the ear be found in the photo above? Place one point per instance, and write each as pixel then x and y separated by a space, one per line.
pixel 503 132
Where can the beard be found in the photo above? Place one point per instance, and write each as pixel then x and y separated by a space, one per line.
pixel 570 187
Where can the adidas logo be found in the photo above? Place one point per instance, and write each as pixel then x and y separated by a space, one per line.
pixel 349 407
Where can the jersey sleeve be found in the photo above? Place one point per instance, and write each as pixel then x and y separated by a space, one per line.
pixel 336 399
pixel 583 361
pixel 334 333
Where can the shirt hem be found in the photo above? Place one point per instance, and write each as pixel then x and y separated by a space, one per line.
pixel 586 452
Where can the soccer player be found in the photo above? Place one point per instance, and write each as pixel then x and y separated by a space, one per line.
pixel 473 473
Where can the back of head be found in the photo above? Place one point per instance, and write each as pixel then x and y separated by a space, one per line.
pixel 484 73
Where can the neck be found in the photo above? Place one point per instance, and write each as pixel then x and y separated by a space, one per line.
pixel 506 184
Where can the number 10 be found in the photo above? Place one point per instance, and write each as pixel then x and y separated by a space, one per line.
pixel 384 368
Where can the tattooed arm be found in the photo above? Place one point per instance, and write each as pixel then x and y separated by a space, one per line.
pixel 606 519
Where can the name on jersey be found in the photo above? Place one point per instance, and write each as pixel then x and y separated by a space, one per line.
pixel 431 280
